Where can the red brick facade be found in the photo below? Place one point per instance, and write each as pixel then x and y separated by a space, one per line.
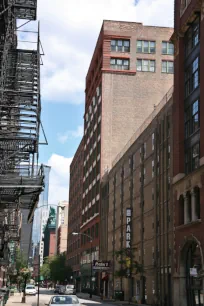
pixel 188 181
pixel 75 207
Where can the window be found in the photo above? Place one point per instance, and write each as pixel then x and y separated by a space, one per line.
pixel 119 64
pixel 153 142
pixel 192 77
pixel 192 36
pixel 192 119
pixel 152 168
pixel 167 67
pixel 120 45
pixel 146 65
pixel 144 46
pixel 192 157
pixel 167 48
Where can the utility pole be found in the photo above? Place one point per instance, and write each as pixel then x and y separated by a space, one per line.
pixel 38 300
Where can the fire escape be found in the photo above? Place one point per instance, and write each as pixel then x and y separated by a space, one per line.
pixel 21 179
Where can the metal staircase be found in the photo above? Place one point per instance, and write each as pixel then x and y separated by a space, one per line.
pixel 21 179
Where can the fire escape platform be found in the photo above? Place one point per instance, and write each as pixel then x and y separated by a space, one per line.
pixel 20 191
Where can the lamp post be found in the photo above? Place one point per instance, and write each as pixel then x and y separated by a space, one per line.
pixel 91 241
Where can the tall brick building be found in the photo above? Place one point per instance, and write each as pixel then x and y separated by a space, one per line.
pixel 188 188
pixel 130 71
pixel 75 207
pixel 140 181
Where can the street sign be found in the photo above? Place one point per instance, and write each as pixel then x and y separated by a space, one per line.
pixel 193 272
pixel 101 265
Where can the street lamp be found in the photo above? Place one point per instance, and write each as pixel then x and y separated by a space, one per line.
pixel 91 240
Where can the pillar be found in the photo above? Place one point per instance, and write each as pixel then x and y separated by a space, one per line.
pixel 193 206
pixel 186 210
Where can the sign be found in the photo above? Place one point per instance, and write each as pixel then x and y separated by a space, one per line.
pixel 128 239
pixel 101 265
pixel 128 227
pixel 193 272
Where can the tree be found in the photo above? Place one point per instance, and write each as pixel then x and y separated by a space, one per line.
pixel 20 263
pixel 124 259
pixel 45 269
pixel 128 266
pixel 55 269
pixel 59 271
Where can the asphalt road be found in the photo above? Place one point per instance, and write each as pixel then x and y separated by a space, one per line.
pixel 45 296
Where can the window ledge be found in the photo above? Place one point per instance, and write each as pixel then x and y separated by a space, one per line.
pixel 131 72
pixel 189 224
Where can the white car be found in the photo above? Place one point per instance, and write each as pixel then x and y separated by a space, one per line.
pixel 64 300
pixel 30 290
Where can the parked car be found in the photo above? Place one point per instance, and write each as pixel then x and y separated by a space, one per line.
pixel 62 289
pixel 70 289
pixel 56 290
pixel 64 300
pixel 30 290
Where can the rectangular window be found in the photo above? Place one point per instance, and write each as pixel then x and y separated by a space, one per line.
pixel 152 168
pixel 192 77
pixel 192 36
pixel 144 46
pixel 167 48
pixel 192 157
pixel 146 65
pixel 120 45
pixel 192 123
pixel 153 142
pixel 119 64
pixel 167 67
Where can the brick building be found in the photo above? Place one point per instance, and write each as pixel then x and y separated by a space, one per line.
pixel 130 71
pixel 188 172
pixel 75 208
pixel 140 181
pixel 61 227
pixel 49 240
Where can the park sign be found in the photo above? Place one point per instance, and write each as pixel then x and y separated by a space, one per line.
pixel 101 265
pixel 128 227
pixel 128 240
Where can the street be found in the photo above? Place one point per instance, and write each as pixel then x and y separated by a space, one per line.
pixel 45 296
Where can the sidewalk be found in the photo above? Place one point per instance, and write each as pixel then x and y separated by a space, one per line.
pixel 15 300
pixel 97 298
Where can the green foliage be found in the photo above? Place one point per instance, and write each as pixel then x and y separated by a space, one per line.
pixel 123 257
pixel 55 268
pixel 21 265
pixel 20 261
pixel 45 269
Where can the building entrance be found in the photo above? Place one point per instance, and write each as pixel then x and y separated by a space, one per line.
pixel 194 280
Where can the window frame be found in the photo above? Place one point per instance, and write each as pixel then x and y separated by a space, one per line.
pixel 143 42
pixel 122 46
pixel 116 66
pixel 168 44
pixel 192 73
pixel 190 160
pixel 190 41
pixel 167 67
pixel 190 114
pixel 149 65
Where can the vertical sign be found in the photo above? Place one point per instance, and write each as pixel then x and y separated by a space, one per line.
pixel 128 227
pixel 128 239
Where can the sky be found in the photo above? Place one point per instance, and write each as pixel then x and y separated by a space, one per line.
pixel 69 31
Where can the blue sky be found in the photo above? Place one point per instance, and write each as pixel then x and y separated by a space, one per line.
pixel 69 30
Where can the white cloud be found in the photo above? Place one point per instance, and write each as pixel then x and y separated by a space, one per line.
pixel 62 138
pixel 69 31
pixel 59 178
